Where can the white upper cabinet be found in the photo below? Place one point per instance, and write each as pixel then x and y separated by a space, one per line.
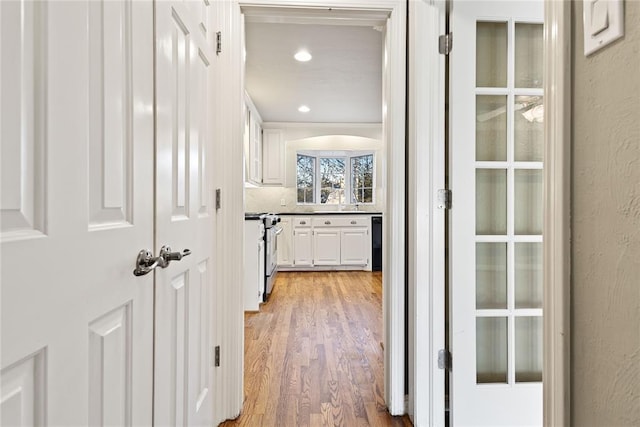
pixel 272 157
pixel 255 148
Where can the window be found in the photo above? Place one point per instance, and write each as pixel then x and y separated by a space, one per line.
pixel 337 178
pixel 332 180
pixel 362 179
pixel 306 177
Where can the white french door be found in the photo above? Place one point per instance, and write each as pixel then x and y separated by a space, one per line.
pixel 185 218
pixel 76 122
pixel 495 175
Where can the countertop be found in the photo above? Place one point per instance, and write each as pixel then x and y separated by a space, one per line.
pixel 329 213
pixel 250 216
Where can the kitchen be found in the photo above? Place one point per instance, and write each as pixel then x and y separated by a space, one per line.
pixel 314 150
pixel 315 165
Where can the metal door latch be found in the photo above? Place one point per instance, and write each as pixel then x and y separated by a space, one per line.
pixel 146 262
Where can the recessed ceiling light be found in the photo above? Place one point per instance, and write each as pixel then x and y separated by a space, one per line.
pixel 302 56
pixel 304 109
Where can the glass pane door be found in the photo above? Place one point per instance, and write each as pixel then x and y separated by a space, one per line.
pixel 496 174
pixel 508 193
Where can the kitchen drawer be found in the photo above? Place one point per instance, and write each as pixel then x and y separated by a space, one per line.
pixel 302 221
pixel 342 221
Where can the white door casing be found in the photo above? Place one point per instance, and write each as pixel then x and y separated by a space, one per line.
pixel 77 206
pixel 496 218
pixel 426 249
pixel 393 13
pixel 185 218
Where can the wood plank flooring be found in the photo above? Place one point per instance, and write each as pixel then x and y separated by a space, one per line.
pixel 313 355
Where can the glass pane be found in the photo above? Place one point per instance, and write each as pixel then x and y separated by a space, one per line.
pixel 528 280
pixel 529 129
pixel 491 54
pixel 491 127
pixel 491 201
pixel 305 170
pixel 491 350
pixel 528 55
pixel 528 336
pixel 332 180
pixel 491 275
pixel 362 179
pixel 528 201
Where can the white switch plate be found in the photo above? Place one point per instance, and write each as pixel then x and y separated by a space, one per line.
pixel 283 202
pixel 603 23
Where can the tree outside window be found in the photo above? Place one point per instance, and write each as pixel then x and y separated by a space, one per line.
pixel 362 179
pixel 332 180
pixel 306 176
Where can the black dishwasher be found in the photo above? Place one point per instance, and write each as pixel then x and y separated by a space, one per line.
pixel 376 243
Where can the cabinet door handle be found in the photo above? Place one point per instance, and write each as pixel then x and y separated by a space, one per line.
pixel 354 222
pixel 327 222
pixel 303 222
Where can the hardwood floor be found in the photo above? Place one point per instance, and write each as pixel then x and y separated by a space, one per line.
pixel 313 355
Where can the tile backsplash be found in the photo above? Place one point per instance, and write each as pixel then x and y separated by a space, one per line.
pixel 268 199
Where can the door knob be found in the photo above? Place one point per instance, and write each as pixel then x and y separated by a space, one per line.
pixel 146 262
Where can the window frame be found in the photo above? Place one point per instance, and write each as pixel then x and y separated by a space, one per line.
pixel 347 155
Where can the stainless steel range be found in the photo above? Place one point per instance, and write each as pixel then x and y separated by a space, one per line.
pixel 271 231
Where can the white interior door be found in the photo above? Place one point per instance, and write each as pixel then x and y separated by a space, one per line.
pixel 76 207
pixel 184 214
pixel 496 228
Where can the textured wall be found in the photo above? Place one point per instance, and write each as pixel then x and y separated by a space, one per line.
pixel 606 228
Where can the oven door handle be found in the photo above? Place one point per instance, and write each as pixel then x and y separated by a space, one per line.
pixel 278 230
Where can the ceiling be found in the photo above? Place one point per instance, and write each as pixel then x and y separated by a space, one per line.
pixel 342 83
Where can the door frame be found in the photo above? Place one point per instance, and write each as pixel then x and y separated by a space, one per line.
pixel 557 204
pixel 556 245
pixel 394 226
pixel 426 222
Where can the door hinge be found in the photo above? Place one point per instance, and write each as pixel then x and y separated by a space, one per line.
pixel 216 357
pixel 445 44
pixel 444 199
pixel 218 43
pixel 218 198
pixel 444 359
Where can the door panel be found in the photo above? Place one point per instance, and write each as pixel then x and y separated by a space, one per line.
pixel 184 218
pixel 77 326
pixel 496 180
pixel 326 246
pixel 302 247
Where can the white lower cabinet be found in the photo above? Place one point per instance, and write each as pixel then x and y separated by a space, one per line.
pixel 326 246
pixel 355 246
pixel 285 243
pixel 302 247
pixel 343 242
pixel 254 264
